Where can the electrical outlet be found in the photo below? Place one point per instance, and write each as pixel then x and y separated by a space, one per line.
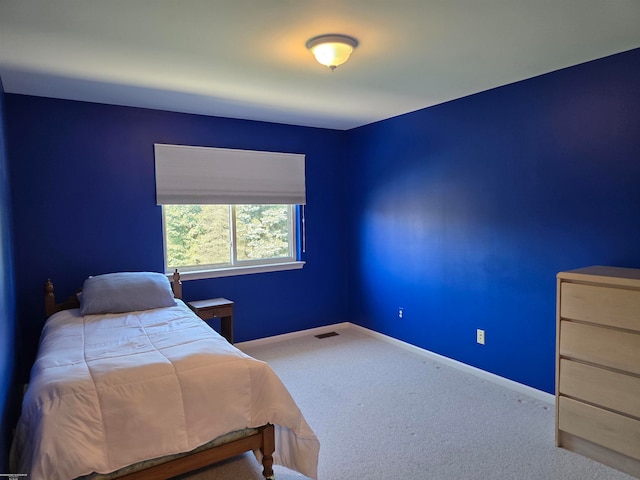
pixel 480 336
pixel 400 312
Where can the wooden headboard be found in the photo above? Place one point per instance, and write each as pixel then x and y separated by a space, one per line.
pixel 51 307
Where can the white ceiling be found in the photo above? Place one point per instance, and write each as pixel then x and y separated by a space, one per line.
pixel 247 58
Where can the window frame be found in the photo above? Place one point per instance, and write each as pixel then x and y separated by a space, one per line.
pixel 242 267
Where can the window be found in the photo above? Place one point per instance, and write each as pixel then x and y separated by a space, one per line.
pixel 221 237
pixel 229 212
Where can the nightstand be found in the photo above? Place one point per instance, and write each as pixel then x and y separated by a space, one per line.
pixel 216 308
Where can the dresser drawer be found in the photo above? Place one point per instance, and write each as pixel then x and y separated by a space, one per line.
pixel 602 427
pixel 612 390
pixel 615 307
pixel 602 346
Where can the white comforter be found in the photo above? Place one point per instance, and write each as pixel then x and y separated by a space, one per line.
pixel 110 390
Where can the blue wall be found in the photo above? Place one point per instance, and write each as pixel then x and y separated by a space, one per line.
pixel 463 213
pixel 7 301
pixel 83 190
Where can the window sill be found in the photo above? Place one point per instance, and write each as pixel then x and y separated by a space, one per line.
pixel 233 271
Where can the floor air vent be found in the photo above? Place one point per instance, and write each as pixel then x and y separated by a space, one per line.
pixel 327 335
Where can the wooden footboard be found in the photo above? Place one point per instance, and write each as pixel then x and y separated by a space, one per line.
pixel 263 440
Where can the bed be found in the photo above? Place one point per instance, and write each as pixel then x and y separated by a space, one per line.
pixel 125 388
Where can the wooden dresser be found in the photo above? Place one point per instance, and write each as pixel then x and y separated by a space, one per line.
pixel 598 365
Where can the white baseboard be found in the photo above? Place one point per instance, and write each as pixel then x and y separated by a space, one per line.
pixel 490 377
pixel 288 336
pixel 483 374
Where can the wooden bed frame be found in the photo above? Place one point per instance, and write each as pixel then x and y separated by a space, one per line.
pixel 262 439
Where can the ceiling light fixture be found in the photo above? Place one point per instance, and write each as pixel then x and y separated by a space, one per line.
pixel 332 50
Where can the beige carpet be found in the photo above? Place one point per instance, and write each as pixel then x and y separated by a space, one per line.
pixel 381 411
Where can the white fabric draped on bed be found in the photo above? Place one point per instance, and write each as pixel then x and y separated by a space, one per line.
pixel 110 390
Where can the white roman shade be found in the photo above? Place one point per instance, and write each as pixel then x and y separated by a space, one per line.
pixel 202 175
